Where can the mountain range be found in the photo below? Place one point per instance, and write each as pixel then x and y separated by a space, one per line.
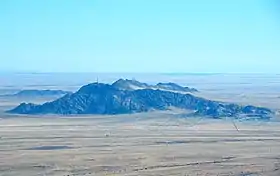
pixel 130 96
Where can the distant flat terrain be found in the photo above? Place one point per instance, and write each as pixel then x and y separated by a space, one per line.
pixel 149 144
pixel 255 89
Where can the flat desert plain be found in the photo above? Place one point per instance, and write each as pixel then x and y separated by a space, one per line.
pixel 156 143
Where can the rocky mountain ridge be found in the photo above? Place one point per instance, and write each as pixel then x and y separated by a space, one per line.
pixel 126 84
pixel 99 98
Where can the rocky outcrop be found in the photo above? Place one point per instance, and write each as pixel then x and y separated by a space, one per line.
pixel 98 98
pixel 126 84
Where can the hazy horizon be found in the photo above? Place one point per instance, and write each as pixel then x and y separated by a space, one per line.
pixel 142 73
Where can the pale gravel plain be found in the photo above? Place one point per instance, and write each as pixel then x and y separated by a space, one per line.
pixel 158 143
pixel 143 146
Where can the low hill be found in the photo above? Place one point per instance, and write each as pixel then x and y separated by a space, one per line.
pixel 38 93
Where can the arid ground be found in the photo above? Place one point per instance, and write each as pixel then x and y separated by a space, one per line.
pixel 156 143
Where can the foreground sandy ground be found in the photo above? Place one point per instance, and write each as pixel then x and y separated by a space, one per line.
pixel 143 144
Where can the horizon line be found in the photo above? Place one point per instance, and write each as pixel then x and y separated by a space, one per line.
pixel 141 73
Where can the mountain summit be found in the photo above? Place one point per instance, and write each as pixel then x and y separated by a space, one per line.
pixel 126 84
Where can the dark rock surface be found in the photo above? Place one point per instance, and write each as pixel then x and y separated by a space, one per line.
pixel 98 98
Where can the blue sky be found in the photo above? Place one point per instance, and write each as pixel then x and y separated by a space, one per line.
pixel 219 36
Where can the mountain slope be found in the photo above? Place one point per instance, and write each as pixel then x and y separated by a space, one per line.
pixel 98 98
pixel 175 87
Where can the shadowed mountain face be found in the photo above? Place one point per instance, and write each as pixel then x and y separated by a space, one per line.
pixel 98 98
